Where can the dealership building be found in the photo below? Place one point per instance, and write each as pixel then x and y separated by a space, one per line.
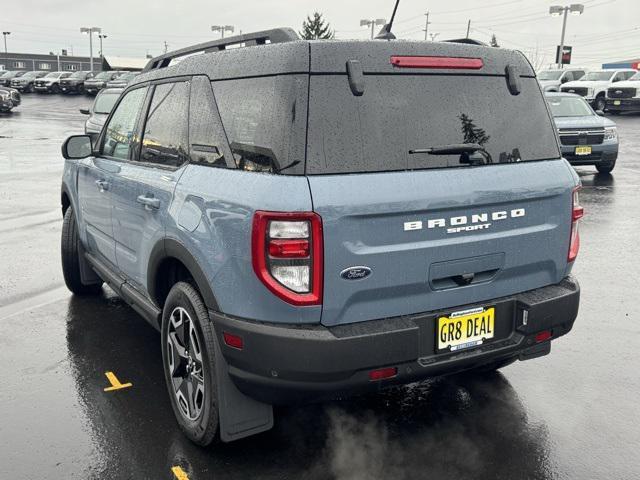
pixel 67 63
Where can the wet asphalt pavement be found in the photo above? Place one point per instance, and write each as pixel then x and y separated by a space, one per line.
pixel 574 414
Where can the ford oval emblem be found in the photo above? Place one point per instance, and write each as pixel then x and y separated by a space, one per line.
pixel 355 273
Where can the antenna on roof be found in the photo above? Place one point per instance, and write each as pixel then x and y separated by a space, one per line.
pixel 385 31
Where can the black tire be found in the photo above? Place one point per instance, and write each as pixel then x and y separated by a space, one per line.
pixel 29 88
pixel 599 103
pixel 605 169
pixel 55 88
pixel 188 358
pixel 81 89
pixel 71 257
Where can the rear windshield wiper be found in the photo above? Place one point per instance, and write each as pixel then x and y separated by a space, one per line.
pixel 470 153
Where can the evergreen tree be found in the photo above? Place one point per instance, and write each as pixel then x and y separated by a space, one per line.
pixel 494 41
pixel 315 28
pixel 472 133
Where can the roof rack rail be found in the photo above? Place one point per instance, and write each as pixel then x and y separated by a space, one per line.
pixel 469 41
pixel 276 35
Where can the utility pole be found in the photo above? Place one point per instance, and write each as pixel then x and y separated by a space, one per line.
pixel 468 27
pixel 4 34
pixel 556 10
pixel 426 26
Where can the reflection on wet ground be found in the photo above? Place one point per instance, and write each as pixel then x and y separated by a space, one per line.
pixel 568 415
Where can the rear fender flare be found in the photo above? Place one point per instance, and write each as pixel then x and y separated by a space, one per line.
pixel 171 248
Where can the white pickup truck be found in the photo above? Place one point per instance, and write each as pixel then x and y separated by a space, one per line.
pixel 593 86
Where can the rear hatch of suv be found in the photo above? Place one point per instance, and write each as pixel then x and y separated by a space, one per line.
pixel 406 231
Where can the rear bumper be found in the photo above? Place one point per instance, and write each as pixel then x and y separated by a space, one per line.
pixel 287 364
pixel 626 105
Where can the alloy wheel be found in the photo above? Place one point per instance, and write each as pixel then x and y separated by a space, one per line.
pixel 185 365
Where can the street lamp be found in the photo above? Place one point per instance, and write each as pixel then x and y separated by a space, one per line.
pixel 222 29
pixel 90 31
pixel 4 34
pixel 556 11
pixel 372 23
pixel 433 36
pixel 100 36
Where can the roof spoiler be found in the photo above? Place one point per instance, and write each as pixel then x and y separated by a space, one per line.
pixel 276 35
pixel 469 41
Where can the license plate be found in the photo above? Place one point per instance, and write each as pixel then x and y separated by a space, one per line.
pixel 617 102
pixel 583 150
pixel 466 329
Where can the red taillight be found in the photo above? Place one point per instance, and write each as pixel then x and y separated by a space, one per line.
pixel 382 373
pixel 543 336
pixel 286 250
pixel 289 248
pixel 462 63
pixel 577 212
pixel 232 340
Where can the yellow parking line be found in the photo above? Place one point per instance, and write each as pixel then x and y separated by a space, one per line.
pixel 115 383
pixel 179 473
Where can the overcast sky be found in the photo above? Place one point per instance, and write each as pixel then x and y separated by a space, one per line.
pixel 608 29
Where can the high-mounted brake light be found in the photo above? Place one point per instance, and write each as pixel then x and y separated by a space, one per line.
pixel 462 63
pixel 287 255
pixel 577 212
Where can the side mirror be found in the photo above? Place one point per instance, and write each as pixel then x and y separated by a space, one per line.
pixel 600 113
pixel 84 111
pixel 77 147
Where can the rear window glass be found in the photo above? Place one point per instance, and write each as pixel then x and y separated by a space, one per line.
pixel 265 120
pixel 398 113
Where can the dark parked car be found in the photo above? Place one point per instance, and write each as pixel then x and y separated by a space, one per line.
pixel 75 83
pixel 123 80
pixel 26 83
pixel 94 85
pixel 586 137
pixel 100 110
pixel 50 82
pixel 308 219
pixel 6 77
pixel 9 98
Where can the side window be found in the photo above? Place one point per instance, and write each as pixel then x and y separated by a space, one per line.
pixel 578 74
pixel 165 138
pixel 618 76
pixel 120 133
pixel 209 145
pixel 566 77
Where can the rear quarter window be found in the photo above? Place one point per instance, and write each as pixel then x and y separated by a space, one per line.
pixel 265 121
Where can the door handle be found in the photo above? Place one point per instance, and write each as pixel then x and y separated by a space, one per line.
pixel 148 202
pixel 103 185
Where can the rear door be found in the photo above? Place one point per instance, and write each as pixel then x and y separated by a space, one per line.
pixel 143 188
pixel 405 232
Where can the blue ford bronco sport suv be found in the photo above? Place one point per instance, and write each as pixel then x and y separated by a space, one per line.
pixel 306 219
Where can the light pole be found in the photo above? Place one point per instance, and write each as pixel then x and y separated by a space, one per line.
pixel 222 29
pixel 372 23
pixel 4 34
pixel 433 36
pixel 100 36
pixel 90 31
pixel 556 11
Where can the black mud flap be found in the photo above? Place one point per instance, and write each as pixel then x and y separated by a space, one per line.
pixel 239 415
